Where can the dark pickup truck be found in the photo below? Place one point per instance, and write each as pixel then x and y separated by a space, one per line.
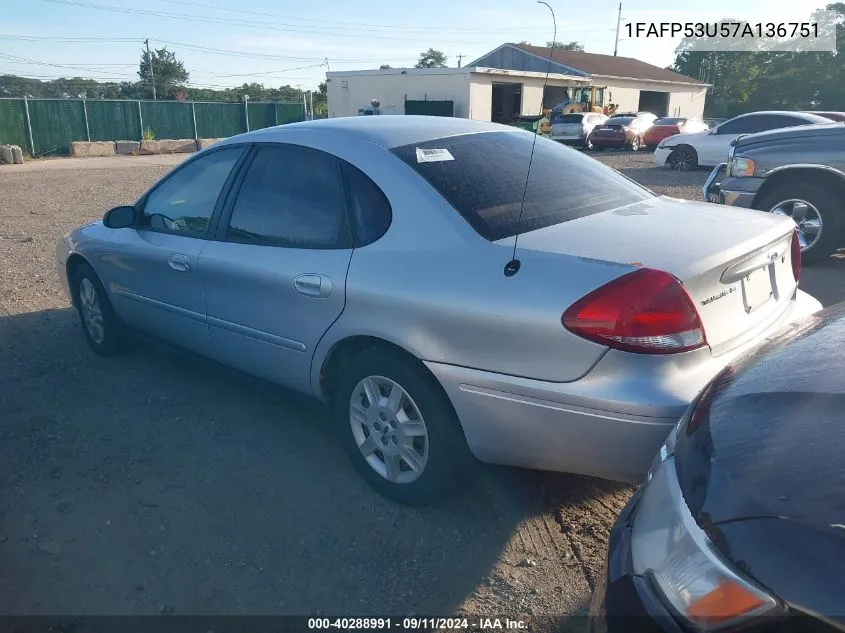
pixel 797 171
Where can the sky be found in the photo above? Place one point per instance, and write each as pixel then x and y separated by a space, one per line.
pixel 279 42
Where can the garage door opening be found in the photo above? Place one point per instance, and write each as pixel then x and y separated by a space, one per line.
pixel 506 102
pixel 654 102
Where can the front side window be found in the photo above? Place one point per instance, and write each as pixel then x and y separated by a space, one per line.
pixel 483 176
pixel 185 201
pixel 290 196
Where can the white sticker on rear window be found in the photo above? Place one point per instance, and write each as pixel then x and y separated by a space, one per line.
pixel 433 155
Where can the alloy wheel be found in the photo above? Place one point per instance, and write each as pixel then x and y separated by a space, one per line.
pixel 92 313
pixel 388 429
pixel 681 160
pixel 806 216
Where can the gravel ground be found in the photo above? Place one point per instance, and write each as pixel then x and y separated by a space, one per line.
pixel 155 483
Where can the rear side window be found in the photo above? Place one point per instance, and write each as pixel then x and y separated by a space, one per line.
pixel 483 176
pixel 569 118
pixel 369 209
pixel 290 196
pixel 670 121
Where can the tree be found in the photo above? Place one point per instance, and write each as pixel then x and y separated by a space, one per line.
pixel 168 72
pixel 385 67
pixel 571 46
pixel 432 59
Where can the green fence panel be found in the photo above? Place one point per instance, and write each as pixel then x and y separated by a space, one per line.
pixel 219 120
pixel 168 119
pixel 13 123
pixel 261 115
pixel 289 112
pixel 113 120
pixel 55 124
pixel 430 108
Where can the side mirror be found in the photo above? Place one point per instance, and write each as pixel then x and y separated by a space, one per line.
pixel 713 130
pixel 119 217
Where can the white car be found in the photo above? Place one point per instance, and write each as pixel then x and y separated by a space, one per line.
pixel 708 149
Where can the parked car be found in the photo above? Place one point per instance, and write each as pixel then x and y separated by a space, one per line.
pixel 642 115
pixel 706 149
pixel 670 126
pixel 621 132
pixel 711 122
pixel 739 525
pixel 576 128
pixel 797 172
pixel 833 116
pixel 369 262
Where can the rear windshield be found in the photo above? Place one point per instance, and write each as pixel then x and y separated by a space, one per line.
pixel 568 118
pixel 670 121
pixel 483 176
pixel 622 120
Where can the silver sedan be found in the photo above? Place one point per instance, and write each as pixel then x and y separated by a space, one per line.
pixel 399 269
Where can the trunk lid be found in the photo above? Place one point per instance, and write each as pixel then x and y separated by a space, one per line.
pixel 567 129
pixel 735 265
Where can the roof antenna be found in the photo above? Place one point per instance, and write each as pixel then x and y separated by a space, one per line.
pixel 512 267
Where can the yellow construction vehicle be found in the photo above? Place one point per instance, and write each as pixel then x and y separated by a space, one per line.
pixel 588 99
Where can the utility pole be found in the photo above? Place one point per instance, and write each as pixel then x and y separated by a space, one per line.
pixel 618 23
pixel 150 64
pixel 460 56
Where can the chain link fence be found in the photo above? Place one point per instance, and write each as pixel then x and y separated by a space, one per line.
pixel 48 126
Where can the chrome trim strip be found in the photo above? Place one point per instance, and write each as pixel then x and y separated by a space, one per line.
pixel 167 307
pixel 709 182
pixel 544 404
pixel 832 170
pixel 259 335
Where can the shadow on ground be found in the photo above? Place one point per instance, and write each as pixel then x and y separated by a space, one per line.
pixel 155 483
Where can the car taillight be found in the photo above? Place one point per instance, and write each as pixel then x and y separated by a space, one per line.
pixel 796 256
pixel 645 311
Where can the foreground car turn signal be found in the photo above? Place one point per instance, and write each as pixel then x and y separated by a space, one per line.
pixel 646 311
pixel 693 579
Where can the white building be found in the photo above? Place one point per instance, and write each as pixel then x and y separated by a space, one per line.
pixel 509 81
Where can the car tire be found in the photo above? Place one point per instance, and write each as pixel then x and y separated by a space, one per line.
pixel 634 145
pixel 414 454
pixel 824 204
pixel 588 143
pixel 105 333
pixel 683 159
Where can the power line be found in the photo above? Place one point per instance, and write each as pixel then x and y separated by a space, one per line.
pixel 246 23
pixel 367 25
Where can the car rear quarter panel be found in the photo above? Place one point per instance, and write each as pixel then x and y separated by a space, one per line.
pixel 437 289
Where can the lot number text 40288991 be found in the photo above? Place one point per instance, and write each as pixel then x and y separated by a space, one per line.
pixel 416 624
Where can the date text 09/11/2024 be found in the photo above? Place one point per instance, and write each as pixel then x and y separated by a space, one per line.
pixel 416 624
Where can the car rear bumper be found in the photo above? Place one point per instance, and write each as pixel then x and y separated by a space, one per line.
pixel 610 142
pixel 609 423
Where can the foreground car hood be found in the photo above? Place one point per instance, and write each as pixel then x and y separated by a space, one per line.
pixel 772 442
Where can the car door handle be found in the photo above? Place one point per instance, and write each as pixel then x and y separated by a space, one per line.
pixel 313 285
pixel 179 263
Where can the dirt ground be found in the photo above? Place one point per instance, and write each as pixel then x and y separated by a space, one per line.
pixel 154 483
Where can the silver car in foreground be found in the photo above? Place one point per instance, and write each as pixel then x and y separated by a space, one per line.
pixel 367 262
